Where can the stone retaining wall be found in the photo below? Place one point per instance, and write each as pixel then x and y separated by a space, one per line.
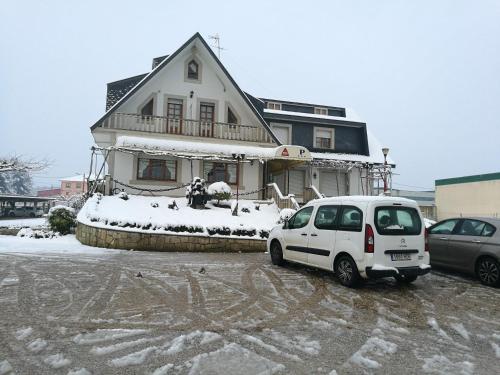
pixel 117 239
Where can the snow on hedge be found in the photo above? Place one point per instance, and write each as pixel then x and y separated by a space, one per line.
pixel 153 215
pixel 219 187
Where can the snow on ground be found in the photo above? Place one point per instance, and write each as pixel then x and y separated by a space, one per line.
pixel 38 222
pixel 151 214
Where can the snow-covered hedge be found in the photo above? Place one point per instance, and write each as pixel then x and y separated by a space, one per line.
pixel 219 191
pixel 37 233
pixel 61 219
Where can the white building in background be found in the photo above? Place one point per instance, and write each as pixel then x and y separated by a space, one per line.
pixel 188 117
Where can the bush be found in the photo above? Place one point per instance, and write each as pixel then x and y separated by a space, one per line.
pixel 62 219
pixel 219 191
pixel 223 231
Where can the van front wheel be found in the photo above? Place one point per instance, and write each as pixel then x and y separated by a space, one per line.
pixel 405 278
pixel 347 271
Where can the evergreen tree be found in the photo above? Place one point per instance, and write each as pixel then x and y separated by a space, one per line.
pixel 5 182
pixel 21 183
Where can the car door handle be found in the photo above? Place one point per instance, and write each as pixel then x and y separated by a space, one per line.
pixel 476 241
pixel 443 238
pixel 314 235
pixel 303 234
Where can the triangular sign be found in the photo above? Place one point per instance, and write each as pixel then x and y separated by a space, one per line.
pixel 284 152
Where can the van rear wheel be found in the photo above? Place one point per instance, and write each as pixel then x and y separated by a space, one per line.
pixel 405 278
pixel 347 271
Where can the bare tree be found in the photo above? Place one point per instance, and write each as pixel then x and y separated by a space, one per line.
pixel 16 164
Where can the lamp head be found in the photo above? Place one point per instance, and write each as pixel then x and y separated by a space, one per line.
pixel 385 151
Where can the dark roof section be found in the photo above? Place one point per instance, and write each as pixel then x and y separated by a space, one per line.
pixel 157 61
pixel 165 63
pixel 466 179
pixel 307 107
pixel 118 89
pixel 290 116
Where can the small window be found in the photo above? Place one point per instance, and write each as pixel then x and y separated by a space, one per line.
pixel 147 110
pixel 214 172
pixel 156 169
pixel 473 228
pixel 326 217
pixel 321 111
pixel 488 230
pixel 351 219
pixel 68 185
pixel 78 185
pixel 446 227
pixel 323 138
pixel 397 221
pixel 273 105
pixel 193 70
pixel 301 218
pixel 231 117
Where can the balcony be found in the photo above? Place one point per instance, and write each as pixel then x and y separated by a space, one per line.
pixel 194 128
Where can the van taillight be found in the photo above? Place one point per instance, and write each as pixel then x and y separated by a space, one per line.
pixel 369 239
pixel 426 239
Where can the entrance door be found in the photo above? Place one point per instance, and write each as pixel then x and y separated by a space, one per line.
pixel 332 183
pixel 207 118
pixel 174 116
pixel 296 183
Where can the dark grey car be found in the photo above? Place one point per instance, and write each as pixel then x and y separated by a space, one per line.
pixel 470 245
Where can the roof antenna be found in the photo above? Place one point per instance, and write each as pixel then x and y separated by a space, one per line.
pixel 217 44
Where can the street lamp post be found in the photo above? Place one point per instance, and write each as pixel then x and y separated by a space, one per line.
pixel 238 158
pixel 385 151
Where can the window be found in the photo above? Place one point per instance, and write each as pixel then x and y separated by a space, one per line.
pixel 156 169
pixel 231 117
pixel 475 228
pixel 68 185
pixel 397 221
pixel 300 219
pixel 446 227
pixel 193 70
pixel 174 116
pixel 282 132
pixel 147 110
pixel 273 105
pixel 321 111
pixel 323 138
pixel 78 185
pixel 326 217
pixel 488 230
pixel 351 219
pixel 215 171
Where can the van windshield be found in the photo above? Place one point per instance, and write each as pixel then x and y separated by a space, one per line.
pixel 397 221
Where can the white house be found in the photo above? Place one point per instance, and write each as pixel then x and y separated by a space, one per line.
pixel 188 117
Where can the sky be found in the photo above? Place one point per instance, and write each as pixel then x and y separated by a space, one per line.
pixel 423 75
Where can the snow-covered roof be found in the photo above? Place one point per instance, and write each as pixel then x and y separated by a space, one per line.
pixel 350 115
pixel 375 149
pixel 78 178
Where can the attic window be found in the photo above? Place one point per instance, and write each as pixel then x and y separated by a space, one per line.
pixel 147 110
pixel 231 117
pixel 273 105
pixel 193 70
pixel 321 111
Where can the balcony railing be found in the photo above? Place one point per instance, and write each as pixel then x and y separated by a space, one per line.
pixel 195 128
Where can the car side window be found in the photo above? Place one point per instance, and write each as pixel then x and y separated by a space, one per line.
pixel 446 227
pixel 326 217
pixel 301 218
pixel 351 219
pixel 488 230
pixel 471 227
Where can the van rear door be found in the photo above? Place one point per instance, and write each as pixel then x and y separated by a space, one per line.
pixel 399 238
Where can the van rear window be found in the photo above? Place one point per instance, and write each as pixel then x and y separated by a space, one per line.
pixel 397 221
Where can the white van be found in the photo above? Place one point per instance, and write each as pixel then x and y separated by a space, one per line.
pixel 355 237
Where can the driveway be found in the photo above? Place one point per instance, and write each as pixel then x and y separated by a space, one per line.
pixel 234 314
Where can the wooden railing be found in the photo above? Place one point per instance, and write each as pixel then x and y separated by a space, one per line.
pixel 195 128
pixel 288 201
pixel 311 193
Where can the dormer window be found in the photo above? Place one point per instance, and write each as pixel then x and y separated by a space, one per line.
pixel 321 111
pixel 274 105
pixel 147 110
pixel 193 70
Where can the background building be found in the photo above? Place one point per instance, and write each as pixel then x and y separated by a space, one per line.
pixel 425 200
pixel 477 195
pixel 73 185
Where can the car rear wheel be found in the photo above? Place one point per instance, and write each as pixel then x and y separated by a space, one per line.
pixel 405 278
pixel 347 271
pixel 276 254
pixel 488 271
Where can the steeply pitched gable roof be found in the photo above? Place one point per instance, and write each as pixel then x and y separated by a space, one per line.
pixel 165 62
pixel 118 89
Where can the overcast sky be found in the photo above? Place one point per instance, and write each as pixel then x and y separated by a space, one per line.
pixel 424 75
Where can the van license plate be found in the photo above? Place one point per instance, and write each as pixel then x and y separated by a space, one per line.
pixel 400 256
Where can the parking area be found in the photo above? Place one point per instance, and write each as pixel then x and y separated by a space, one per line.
pixel 234 314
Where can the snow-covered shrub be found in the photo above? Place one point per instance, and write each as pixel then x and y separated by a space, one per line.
pixel 173 205
pixel 196 193
pixel 154 204
pixel 223 231
pixel 285 214
pixel 245 208
pixel 219 191
pixel 244 232
pixel 263 233
pixel 38 233
pixel 123 195
pixel 77 201
pixel 62 219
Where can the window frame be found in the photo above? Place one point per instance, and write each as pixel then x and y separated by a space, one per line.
pixel 149 178
pixel 337 216
pixel 318 110
pixel 292 219
pixel 226 164
pixel 275 106
pixel 349 229
pixel 459 227
pixel 453 231
pixel 197 64
pixel 383 232
pixel 289 127
pixel 332 139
